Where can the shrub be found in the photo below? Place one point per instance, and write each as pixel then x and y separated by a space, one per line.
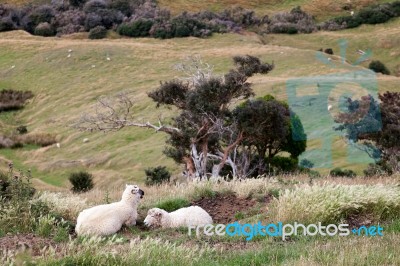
pixel 328 51
pixel 6 24
pixel 138 28
pixel 185 26
pixel 44 29
pixel 98 32
pixel 292 22
pixel 338 172
pixel 157 175
pixel 13 100
pixel 40 139
pixel 378 67
pixel 4 183
pixel 284 164
pixel 81 181
pixel 378 169
pixel 92 20
pixel 173 204
pixel 306 163
pixel 69 21
pixel 92 6
pixel 76 3
pixel 22 129
pixel 6 142
pixel 42 14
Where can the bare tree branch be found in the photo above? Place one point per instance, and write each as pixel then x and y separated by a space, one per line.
pixel 115 113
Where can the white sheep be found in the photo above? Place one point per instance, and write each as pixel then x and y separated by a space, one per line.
pixel 108 219
pixel 190 216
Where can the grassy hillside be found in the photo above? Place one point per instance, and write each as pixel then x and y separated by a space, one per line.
pixel 64 87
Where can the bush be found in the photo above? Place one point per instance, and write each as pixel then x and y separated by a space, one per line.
pixel 378 169
pixel 44 29
pixel 328 51
pixel 92 6
pixel 284 164
pixel 157 175
pixel 81 181
pixel 41 14
pixel 306 163
pixel 292 22
pixel 98 32
pixel 378 67
pixel 22 130
pixel 338 172
pixel 40 139
pixel 13 100
pixel 138 28
pixel 4 183
pixel 185 26
pixel 173 204
pixel 92 20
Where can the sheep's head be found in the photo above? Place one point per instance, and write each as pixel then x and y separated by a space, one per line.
pixel 154 217
pixel 132 193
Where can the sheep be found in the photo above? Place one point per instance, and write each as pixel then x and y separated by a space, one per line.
pixel 190 216
pixel 108 219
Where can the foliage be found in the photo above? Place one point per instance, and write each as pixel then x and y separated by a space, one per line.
pixel 22 129
pixel 81 181
pixel 44 29
pixel 306 163
pixel 173 204
pixel 284 164
pixel 157 175
pixel 295 21
pixel 98 32
pixel 138 28
pixel 378 67
pixel 13 100
pixel 338 172
pixel 379 130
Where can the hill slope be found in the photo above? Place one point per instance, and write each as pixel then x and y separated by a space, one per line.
pixel 64 87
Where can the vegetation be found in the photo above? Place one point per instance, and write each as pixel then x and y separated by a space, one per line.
pixel 335 172
pixel 378 67
pixel 81 181
pixel 157 175
pixel 98 32
pixel 13 100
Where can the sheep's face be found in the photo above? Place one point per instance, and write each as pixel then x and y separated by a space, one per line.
pixel 132 192
pixel 153 218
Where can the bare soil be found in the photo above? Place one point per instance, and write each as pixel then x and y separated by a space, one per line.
pixel 26 242
pixel 223 208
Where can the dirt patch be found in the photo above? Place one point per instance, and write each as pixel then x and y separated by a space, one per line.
pixel 27 242
pixel 223 208
pixel 358 220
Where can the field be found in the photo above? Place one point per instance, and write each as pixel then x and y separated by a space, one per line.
pixel 357 202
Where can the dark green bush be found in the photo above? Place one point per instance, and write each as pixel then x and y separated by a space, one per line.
pixel 284 164
pixel 378 67
pixel 338 172
pixel 44 29
pixel 173 204
pixel 81 181
pixel 22 129
pixel 138 28
pixel 98 32
pixel 157 175
pixel 4 183
pixel 377 169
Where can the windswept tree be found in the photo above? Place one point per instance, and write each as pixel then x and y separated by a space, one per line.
pixel 200 135
pixel 376 126
pixel 268 126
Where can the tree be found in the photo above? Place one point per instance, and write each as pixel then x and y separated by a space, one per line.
pixel 376 126
pixel 200 135
pixel 267 126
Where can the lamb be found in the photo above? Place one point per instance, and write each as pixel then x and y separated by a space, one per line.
pixel 190 216
pixel 108 219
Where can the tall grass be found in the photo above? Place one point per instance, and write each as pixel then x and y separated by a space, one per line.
pixel 329 203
